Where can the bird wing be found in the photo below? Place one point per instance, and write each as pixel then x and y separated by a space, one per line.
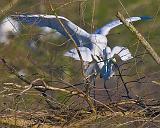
pixel 122 52
pixel 105 29
pixel 84 51
pixel 59 23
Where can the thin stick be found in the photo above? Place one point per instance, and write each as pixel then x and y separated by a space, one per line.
pixel 142 40
pixel 8 7
pixel 42 87
pixel 71 38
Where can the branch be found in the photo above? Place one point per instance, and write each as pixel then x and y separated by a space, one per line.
pixel 146 45
pixel 8 7
pixel 41 86
pixel 156 82
pixel 71 38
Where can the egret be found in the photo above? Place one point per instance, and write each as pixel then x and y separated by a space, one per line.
pixel 93 47
pixel 8 27
pixel 97 56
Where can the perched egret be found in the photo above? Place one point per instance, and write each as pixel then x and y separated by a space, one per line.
pixel 93 47
pixel 8 27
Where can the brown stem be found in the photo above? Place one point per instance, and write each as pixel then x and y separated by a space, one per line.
pixel 143 41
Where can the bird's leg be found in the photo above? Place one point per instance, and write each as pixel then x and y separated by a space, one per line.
pixel 107 91
pixel 94 91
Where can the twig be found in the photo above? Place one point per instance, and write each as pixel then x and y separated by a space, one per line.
pixel 155 82
pixel 146 45
pixel 41 86
pixel 71 38
pixel 44 86
pixel 87 97
pixel 13 71
pixel 4 10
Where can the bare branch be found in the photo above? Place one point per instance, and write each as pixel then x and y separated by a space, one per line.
pixel 41 86
pixel 144 42
pixel 4 10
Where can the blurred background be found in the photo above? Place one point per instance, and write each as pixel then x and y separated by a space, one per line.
pixel 38 52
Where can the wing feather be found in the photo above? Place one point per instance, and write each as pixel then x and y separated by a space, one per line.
pixel 59 23
pixel 105 29
pixel 122 52
pixel 84 51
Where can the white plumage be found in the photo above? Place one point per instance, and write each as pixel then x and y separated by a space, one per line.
pixel 8 26
pixel 93 47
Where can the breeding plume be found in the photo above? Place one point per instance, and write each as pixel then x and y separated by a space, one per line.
pixel 93 47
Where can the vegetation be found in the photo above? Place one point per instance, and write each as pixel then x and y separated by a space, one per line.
pixel 39 87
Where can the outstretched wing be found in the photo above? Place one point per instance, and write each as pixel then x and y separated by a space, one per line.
pixel 122 52
pixel 59 23
pixel 105 29
pixel 84 51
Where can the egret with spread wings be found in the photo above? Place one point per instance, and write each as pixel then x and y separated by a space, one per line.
pixel 93 47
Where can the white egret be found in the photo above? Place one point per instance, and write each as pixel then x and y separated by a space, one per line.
pixel 93 47
pixel 8 27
